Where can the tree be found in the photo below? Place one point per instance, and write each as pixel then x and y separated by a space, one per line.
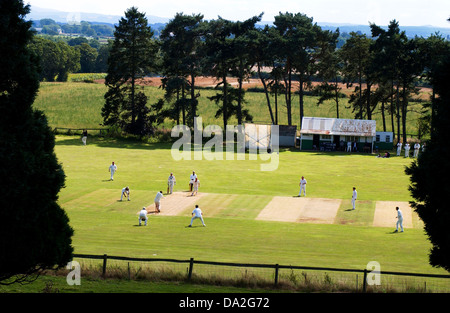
pixel 131 58
pixel 262 55
pixel 432 51
pixel 329 68
pixel 101 64
pixel 299 40
pixel 227 51
pixel 387 55
pixel 429 186
pixel 244 62
pixel 57 59
pixel 88 57
pixel 220 59
pixel 357 59
pixel 34 230
pixel 69 61
pixel 181 53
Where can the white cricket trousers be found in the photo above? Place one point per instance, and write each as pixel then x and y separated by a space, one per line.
pixel 194 217
pixel 143 218
pixel 399 223
pixel 302 187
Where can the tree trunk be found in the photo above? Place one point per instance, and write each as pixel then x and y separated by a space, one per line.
pixel 193 104
pixel 398 112
pixel 393 112
pixel 404 110
pixel 289 97
pixel 266 91
pixel 336 96
pixel 369 111
pixel 383 115
pixel 225 101
pixel 301 100
pixel 183 102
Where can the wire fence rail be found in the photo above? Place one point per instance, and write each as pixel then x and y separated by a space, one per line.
pixel 426 283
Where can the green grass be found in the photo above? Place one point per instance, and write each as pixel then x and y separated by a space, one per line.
pixel 105 225
pixel 78 105
pixel 238 191
pixel 58 284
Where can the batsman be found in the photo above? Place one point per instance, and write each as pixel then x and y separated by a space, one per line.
pixel 171 181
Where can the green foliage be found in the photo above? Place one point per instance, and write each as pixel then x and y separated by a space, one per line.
pixel 131 58
pixel 429 185
pixel 34 230
pixel 57 59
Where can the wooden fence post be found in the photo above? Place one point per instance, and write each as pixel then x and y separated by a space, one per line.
pixel 365 280
pixel 105 257
pixel 191 266
pixel 276 274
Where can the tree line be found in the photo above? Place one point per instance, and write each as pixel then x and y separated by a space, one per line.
pixel 49 27
pixel 383 69
pixel 60 57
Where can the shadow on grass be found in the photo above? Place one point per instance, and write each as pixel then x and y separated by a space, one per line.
pixel 119 143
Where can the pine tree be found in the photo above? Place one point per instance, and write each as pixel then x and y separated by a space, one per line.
pixel 34 230
pixel 131 58
pixel 429 174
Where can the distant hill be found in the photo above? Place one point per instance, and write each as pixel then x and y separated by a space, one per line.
pixel 411 31
pixel 156 22
pixel 65 17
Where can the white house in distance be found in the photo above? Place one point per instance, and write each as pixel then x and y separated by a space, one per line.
pixel 332 134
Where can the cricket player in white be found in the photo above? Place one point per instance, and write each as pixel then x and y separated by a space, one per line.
pixel 171 181
pixel 192 180
pixel 112 169
pixel 143 216
pixel 354 196
pixel 407 150
pixel 302 187
pixel 126 192
pixel 399 219
pixel 399 148
pixel 195 186
pixel 158 198
pixel 416 150
pixel 197 213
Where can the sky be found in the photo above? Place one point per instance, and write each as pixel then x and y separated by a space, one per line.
pixel 381 12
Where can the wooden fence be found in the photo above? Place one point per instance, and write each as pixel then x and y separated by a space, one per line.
pixel 275 267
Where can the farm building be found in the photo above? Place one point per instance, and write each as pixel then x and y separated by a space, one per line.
pixel 332 134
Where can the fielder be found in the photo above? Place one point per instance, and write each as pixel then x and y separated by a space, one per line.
pixel 399 148
pixel 407 150
pixel 399 220
pixel 84 137
pixel 126 192
pixel 143 216
pixel 302 185
pixel 112 169
pixel 354 196
pixel 197 213
pixel 158 198
pixel 171 181
pixel 416 150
